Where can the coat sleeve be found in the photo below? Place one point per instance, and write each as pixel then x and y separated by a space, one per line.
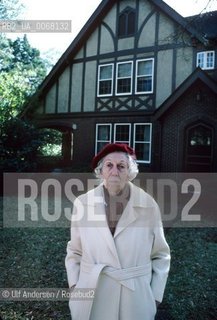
pixel 160 259
pixel 74 253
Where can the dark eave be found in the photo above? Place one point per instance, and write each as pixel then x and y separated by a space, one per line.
pixel 206 24
pixel 198 74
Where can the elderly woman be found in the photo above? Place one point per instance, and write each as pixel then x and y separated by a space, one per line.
pixel 123 255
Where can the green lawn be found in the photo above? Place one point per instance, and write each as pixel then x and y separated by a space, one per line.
pixel 34 257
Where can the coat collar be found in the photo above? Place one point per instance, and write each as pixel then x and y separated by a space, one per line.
pixel 138 199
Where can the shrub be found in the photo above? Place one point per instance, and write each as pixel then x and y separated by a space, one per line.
pixel 19 144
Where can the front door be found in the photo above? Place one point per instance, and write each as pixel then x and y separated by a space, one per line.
pixel 198 148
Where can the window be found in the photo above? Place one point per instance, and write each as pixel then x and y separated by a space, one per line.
pixel 122 133
pixel 103 136
pixel 142 141
pixel 140 138
pixel 206 60
pixel 144 76
pixel 127 23
pixel 105 83
pixel 124 78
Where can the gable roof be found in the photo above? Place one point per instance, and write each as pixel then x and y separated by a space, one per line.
pixel 92 23
pixel 95 20
pixel 198 74
pixel 206 24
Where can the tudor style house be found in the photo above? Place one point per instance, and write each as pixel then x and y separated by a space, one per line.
pixel 137 73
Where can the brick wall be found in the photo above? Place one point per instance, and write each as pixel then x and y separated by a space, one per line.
pixel 198 103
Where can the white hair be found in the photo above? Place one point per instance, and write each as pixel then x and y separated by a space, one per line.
pixel 132 169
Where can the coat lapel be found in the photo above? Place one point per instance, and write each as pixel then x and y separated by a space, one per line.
pixel 127 217
pixel 138 200
pixel 129 214
pixel 102 227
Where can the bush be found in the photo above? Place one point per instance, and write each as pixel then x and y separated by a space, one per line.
pixel 19 145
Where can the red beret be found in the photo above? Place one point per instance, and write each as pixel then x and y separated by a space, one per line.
pixel 112 147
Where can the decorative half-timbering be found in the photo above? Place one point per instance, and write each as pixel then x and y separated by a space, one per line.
pixel 141 74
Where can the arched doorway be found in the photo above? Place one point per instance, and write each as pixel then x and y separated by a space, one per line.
pixel 198 155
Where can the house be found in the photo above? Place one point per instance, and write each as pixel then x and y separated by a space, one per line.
pixel 137 73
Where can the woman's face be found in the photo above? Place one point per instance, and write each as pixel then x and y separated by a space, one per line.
pixel 115 171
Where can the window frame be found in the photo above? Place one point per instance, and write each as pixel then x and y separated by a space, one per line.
pixel 118 78
pixel 102 141
pixel 144 142
pixel 147 75
pixel 132 138
pixel 205 60
pixel 109 79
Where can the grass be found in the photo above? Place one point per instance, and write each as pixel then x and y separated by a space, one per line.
pixel 191 292
pixel 34 257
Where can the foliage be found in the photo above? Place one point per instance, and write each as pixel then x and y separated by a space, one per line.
pixel 10 9
pixel 19 145
pixel 22 142
pixel 52 145
pixel 22 70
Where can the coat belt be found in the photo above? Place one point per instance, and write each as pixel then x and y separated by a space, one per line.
pixel 125 276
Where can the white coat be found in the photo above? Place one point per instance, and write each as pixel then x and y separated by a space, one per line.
pixel 129 270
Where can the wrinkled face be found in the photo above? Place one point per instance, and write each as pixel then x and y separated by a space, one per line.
pixel 115 171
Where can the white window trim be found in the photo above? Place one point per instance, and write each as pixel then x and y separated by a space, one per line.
pixel 131 79
pixel 112 80
pixel 144 142
pixel 96 138
pixel 152 76
pixel 205 53
pixel 115 130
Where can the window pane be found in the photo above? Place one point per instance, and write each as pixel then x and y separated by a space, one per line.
pixel 124 86
pixel 143 133
pixel 131 23
pixel 122 133
pixel 105 87
pixel 124 70
pixel 143 151
pixel 144 68
pixel 210 60
pixel 144 84
pixel 122 25
pixel 100 145
pixel 200 60
pixel 105 72
pixel 104 133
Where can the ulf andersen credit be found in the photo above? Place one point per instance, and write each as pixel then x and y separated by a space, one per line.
pixel 47 294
